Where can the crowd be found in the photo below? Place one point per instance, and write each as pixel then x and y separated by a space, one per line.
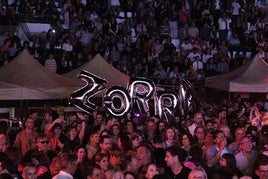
pixel 163 40
pixel 224 140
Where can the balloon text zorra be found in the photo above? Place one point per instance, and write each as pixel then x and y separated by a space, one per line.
pixel 140 98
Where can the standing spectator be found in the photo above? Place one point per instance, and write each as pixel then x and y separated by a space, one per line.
pixel 198 172
pixel 51 63
pixel 234 146
pixel 29 172
pixel 82 161
pixel 151 171
pixel 236 7
pixel 199 135
pixel 214 152
pixel 26 139
pixel 224 26
pixel 173 21
pixel 102 160
pixel 193 31
pixel 261 167
pixel 65 63
pixel 144 156
pixel 105 143
pixel 42 156
pixel 170 137
pixel 175 157
pixel 68 166
pixel 246 158
pixel 228 166
pixel 197 121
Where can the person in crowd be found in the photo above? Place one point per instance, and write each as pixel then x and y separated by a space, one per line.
pixel 199 135
pixel 4 142
pixel 82 161
pixel 41 156
pixel 115 159
pixel 29 172
pixel 234 146
pixel 105 143
pixel 215 151
pixel 72 139
pixel 68 164
pixel 144 155
pixel 175 157
pixel 198 172
pixel 186 141
pixel 51 63
pixel 261 167
pixel 170 137
pixel 94 172
pixel 246 158
pixel 228 166
pixel 93 144
pixel 102 160
pixel 198 120
pixel 195 157
pixel 124 143
pixel 26 139
pixel 151 171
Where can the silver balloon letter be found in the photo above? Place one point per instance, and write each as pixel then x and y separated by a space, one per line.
pixel 166 105
pixel 80 98
pixel 141 90
pixel 117 101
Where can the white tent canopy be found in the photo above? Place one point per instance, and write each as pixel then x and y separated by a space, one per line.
pixel 100 67
pixel 251 77
pixel 28 79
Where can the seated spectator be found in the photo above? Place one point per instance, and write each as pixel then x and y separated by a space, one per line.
pixel 160 74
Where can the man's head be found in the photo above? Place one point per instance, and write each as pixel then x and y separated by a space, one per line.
pixel 261 167
pixel 29 123
pixel 219 138
pixel 150 126
pixel 245 144
pixel 105 143
pixel 239 133
pixel 68 162
pixel 144 154
pixel 94 172
pixel 29 172
pixel 42 143
pixel 175 155
pixel 199 119
pixel 98 118
pixel 34 115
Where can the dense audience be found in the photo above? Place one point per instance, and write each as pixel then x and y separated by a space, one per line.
pixel 163 40
pixel 166 41
pixel 227 139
